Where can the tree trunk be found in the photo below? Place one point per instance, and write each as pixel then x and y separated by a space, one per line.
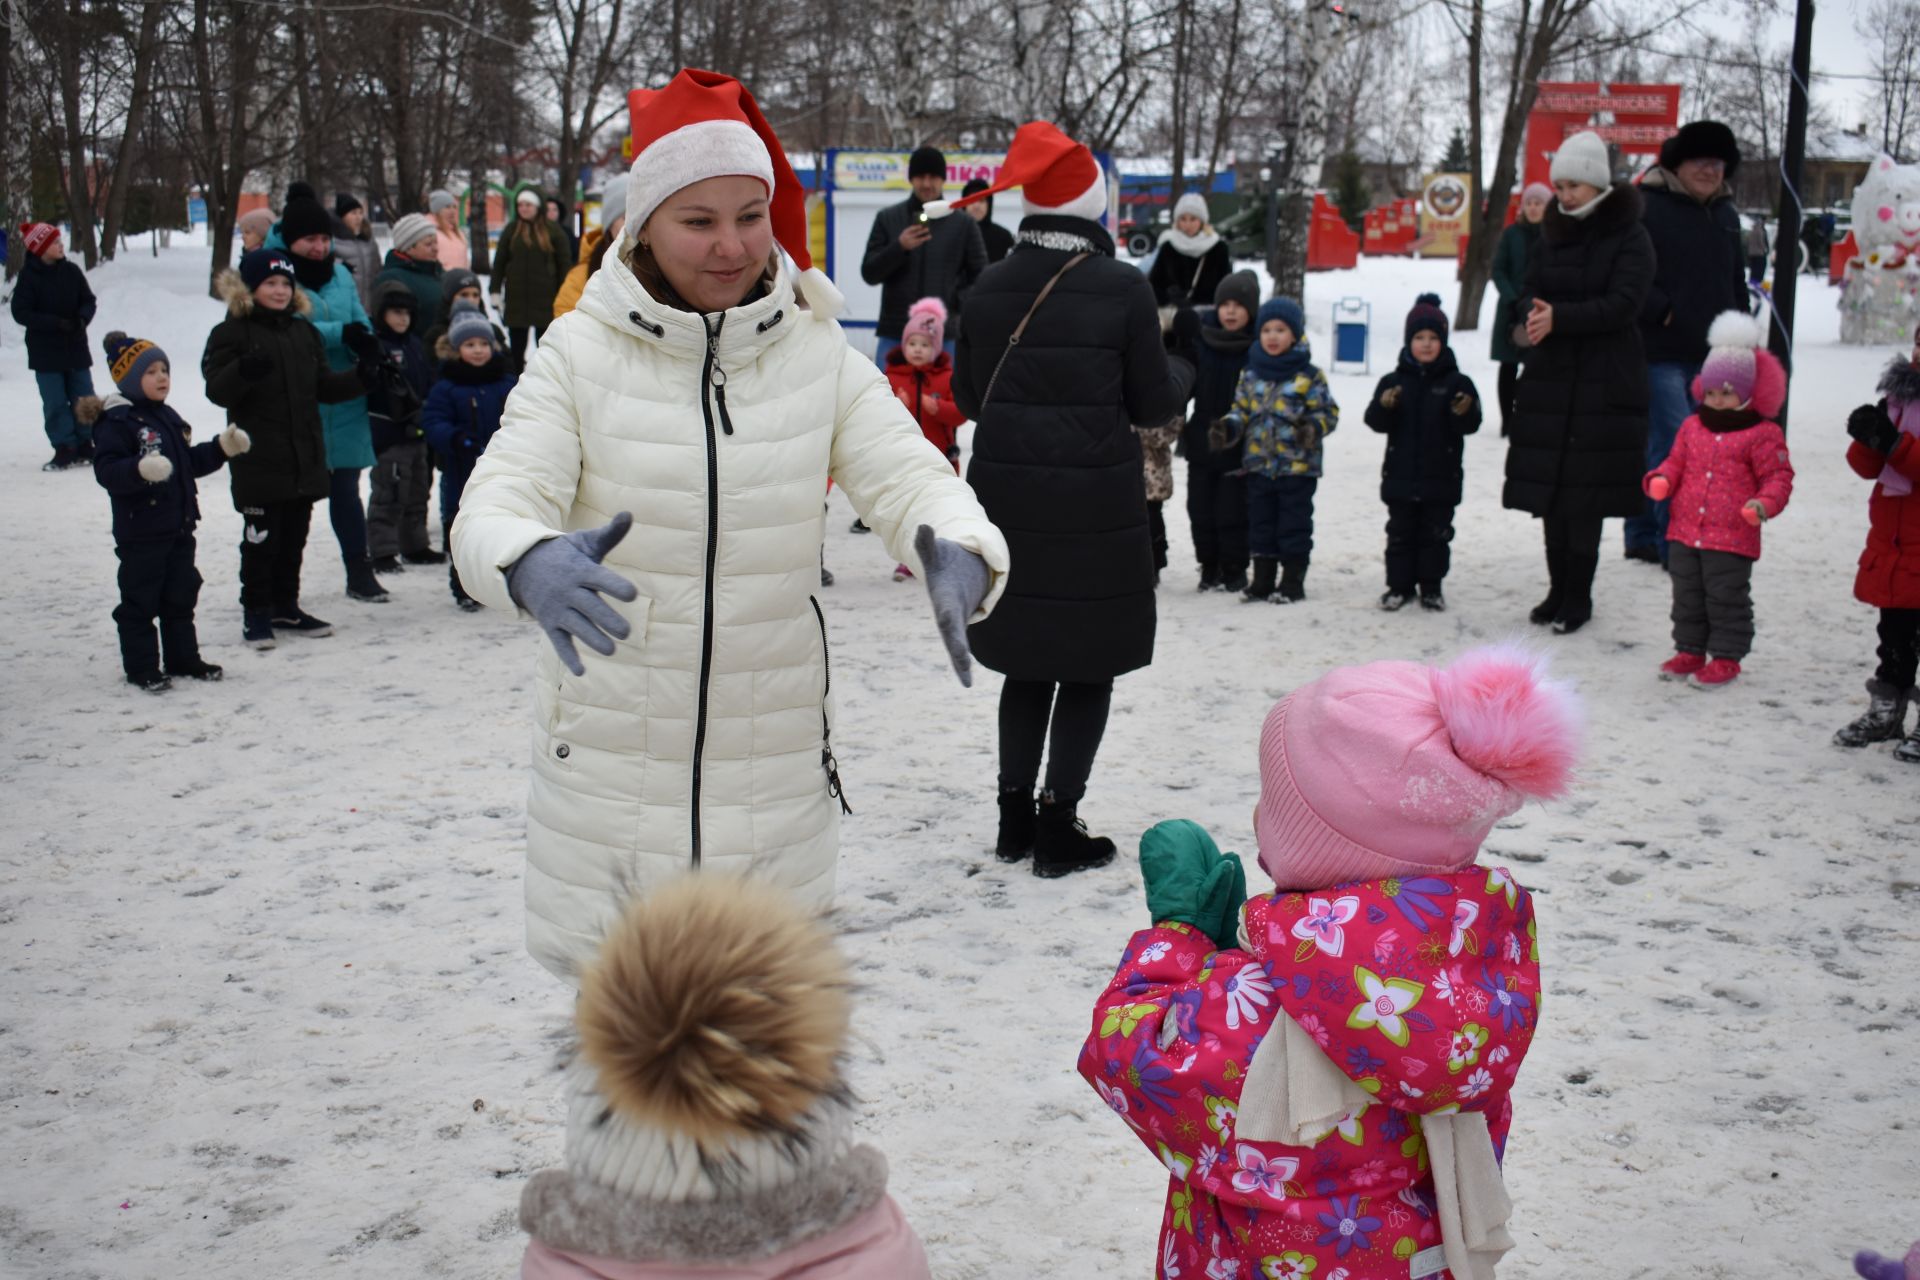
pixel 1480 219
pixel 477 219
pixel 1182 97
pixel 79 178
pixel 138 95
pixel 14 148
pixel 1306 152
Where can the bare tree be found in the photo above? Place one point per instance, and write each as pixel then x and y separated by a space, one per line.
pixel 1890 29
pixel 144 53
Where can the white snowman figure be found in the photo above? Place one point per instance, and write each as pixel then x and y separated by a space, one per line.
pixel 1880 300
pixel 1886 211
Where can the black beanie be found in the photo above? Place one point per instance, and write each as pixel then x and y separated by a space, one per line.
pixel 927 161
pixel 304 217
pixel 258 264
pixel 300 191
pixel 1427 316
pixel 1241 287
pixel 344 204
pixel 977 185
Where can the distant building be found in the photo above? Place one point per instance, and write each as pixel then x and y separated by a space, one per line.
pixel 1836 161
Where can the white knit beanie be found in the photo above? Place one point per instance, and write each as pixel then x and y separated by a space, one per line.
pixel 1583 158
pixel 1194 203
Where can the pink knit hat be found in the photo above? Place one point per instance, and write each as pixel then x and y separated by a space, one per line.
pixel 1397 769
pixel 1738 361
pixel 928 318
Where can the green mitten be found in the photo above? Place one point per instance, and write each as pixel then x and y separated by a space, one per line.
pixel 1190 881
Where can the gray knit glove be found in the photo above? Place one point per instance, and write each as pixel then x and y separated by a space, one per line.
pixel 560 581
pixel 957 581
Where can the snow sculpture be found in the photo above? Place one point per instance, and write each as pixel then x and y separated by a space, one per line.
pixel 1880 298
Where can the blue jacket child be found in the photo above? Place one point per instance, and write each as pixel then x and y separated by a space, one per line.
pixel 143 459
pixel 462 412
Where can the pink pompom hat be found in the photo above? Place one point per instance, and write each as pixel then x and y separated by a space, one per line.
pixel 928 318
pixel 1397 769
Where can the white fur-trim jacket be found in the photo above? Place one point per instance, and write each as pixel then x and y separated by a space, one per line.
pixel 703 741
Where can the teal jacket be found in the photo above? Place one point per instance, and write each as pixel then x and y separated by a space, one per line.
pixel 335 306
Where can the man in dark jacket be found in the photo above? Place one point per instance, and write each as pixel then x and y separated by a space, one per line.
pixel 53 303
pixel 911 257
pixel 1699 273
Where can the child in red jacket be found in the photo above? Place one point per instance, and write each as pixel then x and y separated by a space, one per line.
pixel 1325 1071
pixel 1728 474
pixel 1886 450
pixel 921 374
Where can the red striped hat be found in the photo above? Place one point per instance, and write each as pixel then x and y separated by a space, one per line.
pixel 37 236
pixel 706 125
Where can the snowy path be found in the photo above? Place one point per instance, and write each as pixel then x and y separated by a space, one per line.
pixel 267 1010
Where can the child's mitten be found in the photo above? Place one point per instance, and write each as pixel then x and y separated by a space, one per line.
pixel 234 441
pixel 1390 398
pixel 1659 488
pixel 154 467
pixel 1462 405
pixel 1870 425
pixel 1754 513
pixel 358 339
pixel 1189 881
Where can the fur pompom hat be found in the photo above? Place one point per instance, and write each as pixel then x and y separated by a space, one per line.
pixel 928 318
pixel 1738 361
pixel 1398 769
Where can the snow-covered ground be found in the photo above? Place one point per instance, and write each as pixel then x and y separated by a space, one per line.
pixel 266 1010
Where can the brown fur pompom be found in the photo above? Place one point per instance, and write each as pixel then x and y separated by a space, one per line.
pixel 715 1009
pixel 87 410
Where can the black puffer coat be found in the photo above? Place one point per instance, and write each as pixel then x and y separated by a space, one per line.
pixel 1181 281
pixel 1217 356
pixel 1700 268
pixel 280 411
pixel 1056 462
pixel 1579 435
pixel 1426 439
pixel 54 304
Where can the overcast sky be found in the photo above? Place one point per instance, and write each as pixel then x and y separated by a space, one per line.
pixel 1836 49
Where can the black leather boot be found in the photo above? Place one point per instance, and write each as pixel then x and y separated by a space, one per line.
pixel 1293 582
pixel 1547 610
pixel 1264 572
pixel 1061 844
pixel 1576 601
pixel 1017 822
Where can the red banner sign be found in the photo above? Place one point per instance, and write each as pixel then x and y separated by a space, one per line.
pixel 1643 117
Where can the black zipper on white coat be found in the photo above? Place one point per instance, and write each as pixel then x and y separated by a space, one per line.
pixel 712 378
pixel 827 762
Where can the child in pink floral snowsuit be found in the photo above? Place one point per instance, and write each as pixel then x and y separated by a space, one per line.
pixel 1727 474
pixel 1306 1063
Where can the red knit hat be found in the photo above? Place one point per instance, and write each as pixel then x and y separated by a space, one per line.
pixel 706 125
pixel 1056 175
pixel 37 236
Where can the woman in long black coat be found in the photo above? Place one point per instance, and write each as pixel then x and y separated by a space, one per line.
pixel 1056 464
pixel 1578 446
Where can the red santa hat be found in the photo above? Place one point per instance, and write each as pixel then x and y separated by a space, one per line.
pixel 706 125
pixel 1055 174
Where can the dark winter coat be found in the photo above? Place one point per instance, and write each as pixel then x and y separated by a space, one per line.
pixel 1181 281
pixel 1889 574
pixel 945 267
pixel 1700 268
pixel 1217 356
pixel 463 411
pixel 530 274
pixel 144 509
pixel 397 389
pixel 360 254
pixel 1426 439
pixel 1579 437
pixel 280 411
pixel 997 239
pixel 1056 462
pixel 1510 279
pixel 422 278
pixel 54 304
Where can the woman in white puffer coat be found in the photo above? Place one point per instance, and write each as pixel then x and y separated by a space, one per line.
pixel 695 389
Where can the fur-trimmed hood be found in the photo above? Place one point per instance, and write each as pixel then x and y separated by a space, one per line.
pixel 1901 381
pixel 1659 179
pixel 1621 208
pixel 239 299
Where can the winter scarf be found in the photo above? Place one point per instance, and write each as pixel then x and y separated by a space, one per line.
pixel 312 273
pixel 1228 342
pixel 1586 210
pixel 1721 421
pixel 1280 368
pixel 1192 246
pixel 1900 382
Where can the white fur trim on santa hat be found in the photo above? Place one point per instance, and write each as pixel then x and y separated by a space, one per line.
pixel 693 153
pixel 823 299
pixel 1090 204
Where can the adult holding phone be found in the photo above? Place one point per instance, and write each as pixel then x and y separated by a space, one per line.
pixel 912 256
